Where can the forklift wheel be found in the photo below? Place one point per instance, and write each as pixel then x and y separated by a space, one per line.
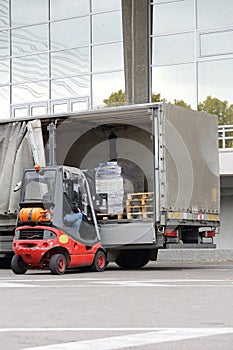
pixel 99 262
pixel 18 266
pixel 57 264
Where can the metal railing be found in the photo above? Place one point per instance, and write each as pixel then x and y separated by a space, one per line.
pixel 225 136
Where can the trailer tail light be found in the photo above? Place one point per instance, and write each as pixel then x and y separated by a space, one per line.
pixel 209 233
pixel 171 233
pixel 37 167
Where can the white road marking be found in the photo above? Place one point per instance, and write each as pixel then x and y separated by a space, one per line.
pixel 16 285
pixel 159 335
pixel 95 329
pixel 64 279
pixel 93 282
pixel 156 284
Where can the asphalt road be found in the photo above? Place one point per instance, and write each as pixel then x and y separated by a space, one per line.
pixel 163 306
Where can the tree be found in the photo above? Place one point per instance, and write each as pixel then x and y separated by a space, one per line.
pixel 115 99
pixel 181 103
pixel 229 115
pixel 220 108
pixel 157 98
pixel 118 99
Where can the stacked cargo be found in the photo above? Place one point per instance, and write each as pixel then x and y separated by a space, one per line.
pixel 109 188
pixel 140 205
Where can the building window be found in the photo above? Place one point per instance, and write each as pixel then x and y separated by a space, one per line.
pixel 170 49
pixel 70 62
pixel 214 79
pixel 173 16
pixel 60 108
pixel 30 68
pixel 24 12
pixel 70 87
pixel 79 105
pixel 20 112
pixel 107 57
pixel 5 44
pixel 61 9
pixel 105 84
pixel 215 13
pixel 4 102
pixel 26 93
pixel 4 13
pixel 70 33
pixel 4 57
pixel 103 5
pixel 37 110
pixel 29 40
pixel 218 43
pixel 4 71
pixel 175 82
pixel 107 27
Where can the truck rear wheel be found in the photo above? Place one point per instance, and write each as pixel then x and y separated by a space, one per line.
pixel 99 262
pixel 18 266
pixel 133 259
pixel 57 264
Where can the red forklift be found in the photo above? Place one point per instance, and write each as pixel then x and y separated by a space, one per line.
pixel 56 227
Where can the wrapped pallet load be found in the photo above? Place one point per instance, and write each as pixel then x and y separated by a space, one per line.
pixel 109 188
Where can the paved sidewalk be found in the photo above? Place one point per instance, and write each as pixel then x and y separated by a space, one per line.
pixel 211 255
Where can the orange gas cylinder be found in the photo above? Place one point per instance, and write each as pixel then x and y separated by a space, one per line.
pixel 33 215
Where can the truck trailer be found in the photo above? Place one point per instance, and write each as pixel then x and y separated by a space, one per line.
pixel 152 170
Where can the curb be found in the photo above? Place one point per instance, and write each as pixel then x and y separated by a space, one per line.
pixel 210 255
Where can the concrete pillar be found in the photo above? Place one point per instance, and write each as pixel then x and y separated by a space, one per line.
pixel 225 239
pixel 135 20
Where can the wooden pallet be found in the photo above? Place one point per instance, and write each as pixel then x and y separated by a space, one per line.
pixel 109 216
pixel 140 205
pixel 140 196
pixel 140 215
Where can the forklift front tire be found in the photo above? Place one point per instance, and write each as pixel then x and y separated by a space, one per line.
pixel 99 262
pixel 57 264
pixel 18 266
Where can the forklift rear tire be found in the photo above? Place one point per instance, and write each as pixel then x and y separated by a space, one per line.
pixel 18 266
pixel 57 264
pixel 99 262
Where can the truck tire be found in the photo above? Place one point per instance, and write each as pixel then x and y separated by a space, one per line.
pixel 57 264
pixel 133 259
pixel 99 262
pixel 18 266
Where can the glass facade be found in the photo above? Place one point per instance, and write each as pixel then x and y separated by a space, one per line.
pixel 59 56
pixel 192 50
pixel 67 55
